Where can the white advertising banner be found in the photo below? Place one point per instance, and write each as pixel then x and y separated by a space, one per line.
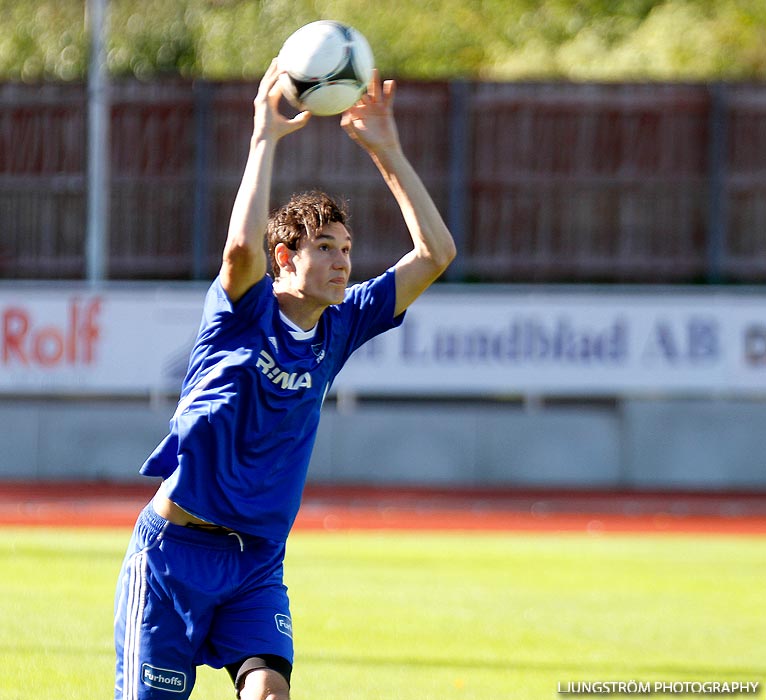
pixel 571 343
pixel 471 342
pixel 131 340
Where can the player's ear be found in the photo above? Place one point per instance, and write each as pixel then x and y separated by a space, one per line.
pixel 284 257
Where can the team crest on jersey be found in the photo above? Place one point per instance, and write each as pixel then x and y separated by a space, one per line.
pixel 318 351
pixel 283 379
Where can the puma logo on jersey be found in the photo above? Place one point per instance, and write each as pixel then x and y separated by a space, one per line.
pixel 285 380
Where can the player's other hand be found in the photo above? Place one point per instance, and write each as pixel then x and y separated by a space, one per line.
pixel 269 122
pixel 370 122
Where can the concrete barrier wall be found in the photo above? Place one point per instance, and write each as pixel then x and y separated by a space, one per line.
pixel 658 444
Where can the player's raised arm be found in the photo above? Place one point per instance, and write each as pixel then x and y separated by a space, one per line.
pixel 244 259
pixel 371 124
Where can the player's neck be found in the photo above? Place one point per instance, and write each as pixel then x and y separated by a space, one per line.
pixel 301 311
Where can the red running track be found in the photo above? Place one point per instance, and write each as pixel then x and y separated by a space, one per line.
pixel 330 508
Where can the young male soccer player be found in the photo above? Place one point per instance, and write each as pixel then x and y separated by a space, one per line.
pixel 202 578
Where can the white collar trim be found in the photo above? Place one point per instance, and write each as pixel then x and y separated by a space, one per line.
pixel 296 331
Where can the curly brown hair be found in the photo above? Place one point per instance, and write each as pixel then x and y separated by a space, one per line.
pixel 302 216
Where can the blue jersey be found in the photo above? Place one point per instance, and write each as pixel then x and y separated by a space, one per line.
pixel 241 438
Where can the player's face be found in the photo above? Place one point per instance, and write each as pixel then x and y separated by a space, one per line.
pixel 323 264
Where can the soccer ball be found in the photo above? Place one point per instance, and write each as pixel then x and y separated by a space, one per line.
pixel 327 65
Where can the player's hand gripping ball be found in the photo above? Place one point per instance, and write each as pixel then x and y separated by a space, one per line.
pixel 327 65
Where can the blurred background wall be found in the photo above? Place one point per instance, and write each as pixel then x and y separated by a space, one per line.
pixel 540 182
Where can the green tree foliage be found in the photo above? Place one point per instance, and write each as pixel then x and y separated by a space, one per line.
pixel 428 39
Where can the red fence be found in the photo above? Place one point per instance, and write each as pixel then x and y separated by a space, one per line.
pixel 539 182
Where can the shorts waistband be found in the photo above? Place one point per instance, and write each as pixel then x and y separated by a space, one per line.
pixel 222 538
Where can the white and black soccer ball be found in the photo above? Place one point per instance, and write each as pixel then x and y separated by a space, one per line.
pixel 327 65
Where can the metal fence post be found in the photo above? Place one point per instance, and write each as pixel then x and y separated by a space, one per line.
pixel 99 151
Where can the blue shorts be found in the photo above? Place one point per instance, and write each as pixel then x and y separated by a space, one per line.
pixel 187 597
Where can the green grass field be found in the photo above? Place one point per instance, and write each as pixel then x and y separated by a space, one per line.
pixel 418 616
